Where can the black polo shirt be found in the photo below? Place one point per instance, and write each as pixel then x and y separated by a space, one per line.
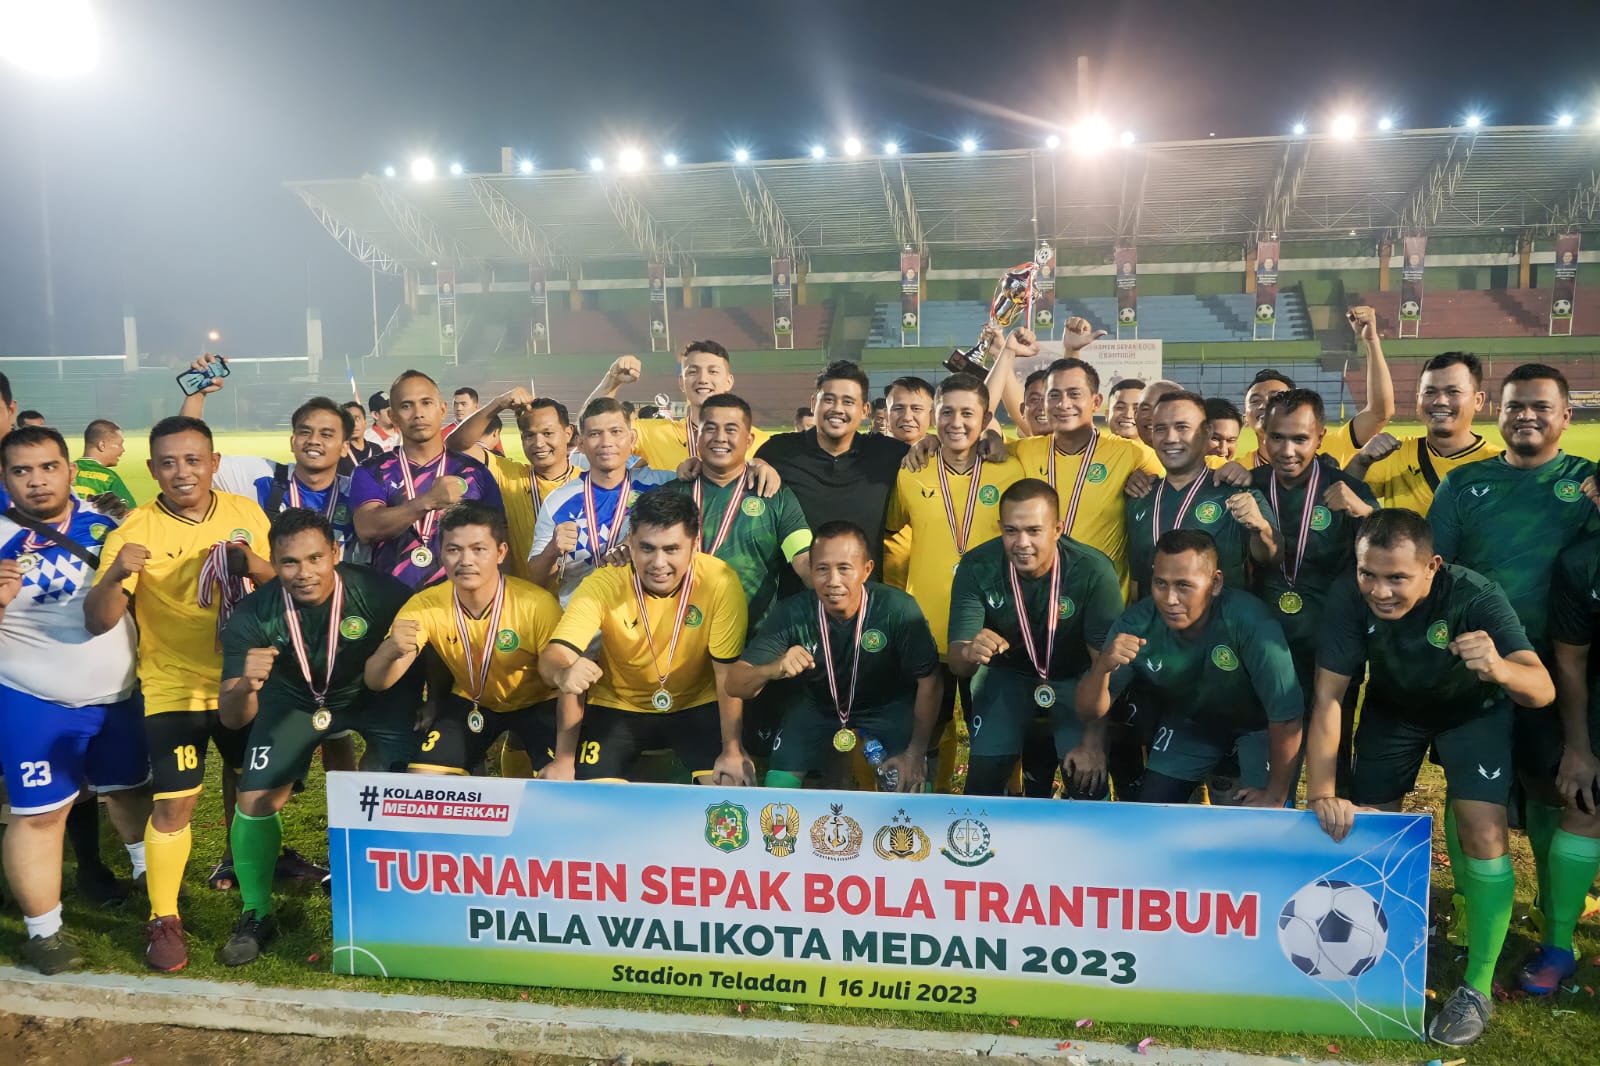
pixel 852 487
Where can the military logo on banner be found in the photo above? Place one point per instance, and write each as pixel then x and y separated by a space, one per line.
pixel 780 828
pixel 901 839
pixel 727 826
pixel 967 842
pixel 836 835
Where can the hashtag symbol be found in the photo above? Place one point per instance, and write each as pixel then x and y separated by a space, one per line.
pixel 369 800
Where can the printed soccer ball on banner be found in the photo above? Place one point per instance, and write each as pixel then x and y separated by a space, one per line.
pixel 1410 309
pixel 781 324
pixel 538 329
pixel 449 329
pixel 908 320
pixel 1127 315
pixel 1561 308
pixel 1333 930
pixel 1043 318
pixel 1266 312
pixel 658 327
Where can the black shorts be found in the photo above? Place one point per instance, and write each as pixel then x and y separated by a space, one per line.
pixel 1475 754
pixel 763 715
pixel 805 741
pixel 451 744
pixel 282 740
pixel 611 740
pixel 177 743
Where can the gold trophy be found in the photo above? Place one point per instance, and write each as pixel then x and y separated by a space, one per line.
pixel 1011 299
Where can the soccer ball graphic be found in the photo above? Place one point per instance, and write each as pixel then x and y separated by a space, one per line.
pixel 1265 312
pixel 908 320
pixel 1410 309
pixel 538 329
pixel 1127 314
pixel 1562 308
pixel 1333 930
pixel 658 327
pixel 449 329
pixel 781 324
pixel 1043 317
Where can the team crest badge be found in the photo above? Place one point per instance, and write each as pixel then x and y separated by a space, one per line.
pixel 988 495
pixel 901 840
pixel 1097 473
pixel 727 826
pixel 1207 513
pixel 1066 609
pixel 967 842
pixel 1224 658
pixel 98 531
pixel 633 498
pixel 1321 517
pixel 28 563
pixel 836 835
pixel 873 640
pixel 1567 491
pixel 1439 634
pixel 692 617
pixel 242 534
pixel 353 627
pixel 780 829
pixel 754 506
pixel 506 640
pixel 341 515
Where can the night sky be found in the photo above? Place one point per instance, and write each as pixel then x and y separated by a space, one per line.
pixel 165 165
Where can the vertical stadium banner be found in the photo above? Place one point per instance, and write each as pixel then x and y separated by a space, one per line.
pixel 1265 323
pixel 1187 915
pixel 1564 297
pixel 1416 249
pixel 1127 260
pixel 783 303
pixel 660 335
pixel 1042 314
pixel 539 324
pixel 910 300
pixel 445 294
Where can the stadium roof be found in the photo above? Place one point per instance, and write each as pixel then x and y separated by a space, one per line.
pixel 1456 181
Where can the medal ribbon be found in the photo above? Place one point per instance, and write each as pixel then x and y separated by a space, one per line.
pixel 533 487
pixel 1040 666
pixel 333 495
pixel 478 674
pixel 960 533
pixel 735 499
pixel 842 709
pixel 1183 507
pixel 220 587
pixel 597 547
pixel 35 543
pixel 1078 483
pixel 297 640
pixel 677 622
pixel 1308 506
pixel 423 528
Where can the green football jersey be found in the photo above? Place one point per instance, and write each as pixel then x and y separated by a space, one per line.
pixel 1412 673
pixel 95 478
pixel 763 541
pixel 1510 524
pixel 1232 672
pixel 1207 512
pixel 1088 605
pixel 1575 603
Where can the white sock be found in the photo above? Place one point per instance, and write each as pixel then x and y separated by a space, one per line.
pixel 136 856
pixel 46 924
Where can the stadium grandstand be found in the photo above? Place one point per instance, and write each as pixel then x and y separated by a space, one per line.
pixel 1489 199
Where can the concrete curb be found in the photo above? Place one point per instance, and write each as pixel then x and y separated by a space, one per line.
pixel 533 1027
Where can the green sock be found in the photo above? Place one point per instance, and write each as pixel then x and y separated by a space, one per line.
pixel 1541 822
pixel 255 857
pixel 783 779
pixel 1490 887
pixel 1574 860
pixel 1452 841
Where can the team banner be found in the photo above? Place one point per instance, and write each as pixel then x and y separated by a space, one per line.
pixel 1042 315
pixel 539 324
pixel 660 334
pixel 783 303
pixel 1127 260
pixel 1416 249
pixel 910 300
pixel 1266 320
pixel 445 292
pixel 1250 919
pixel 1565 295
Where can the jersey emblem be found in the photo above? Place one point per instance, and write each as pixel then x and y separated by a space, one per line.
pixel 1439 634
pixel 836 835
pixel 353 627
pixel 755 507
pixel 1154 665
pixel 98 531
pixel 1480 491
pixel 242 534
pixel 1097 473
pixel 1066 608
pixel 967 842
pixel 901 840
pixel 988 495
pixel 1567 491
pixel 780 826
pixel 928 494
pixel 1321 517
pixel 997 600
pixel 692 617
pixel 1210 511
pixel 1223 658
pixel 1486 775
pixel 506 640
pixel 341 515
pixel 1139 516
pixel 727 826
pixel 873 640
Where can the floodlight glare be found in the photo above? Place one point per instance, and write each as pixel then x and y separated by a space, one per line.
pixel 817 151
pixel 213 335
pixel 422 168
pixel 631 160
pixel 670 159
pixel 597 164
pixel 1344 127
pixel 1563 119
pixel 526 166
pixel 1052 142
pixel 741 155
pixel 1474 121
pixel 58 39
pixel 890 148
pixel 1090 136
pixel 388 172
pixel 852 146
pixel 1386 123
pixel 455 169
pixel 1126 138
pixel 969 145
pixel 1299 129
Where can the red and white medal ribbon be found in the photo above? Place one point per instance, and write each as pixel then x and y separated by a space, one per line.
pixel 1040 666
pixel 736 496
pixel 1307 509
pixel 597 546
pixel 1183 506
pixel 677 627
pixel 960 533
pixel 478 672
pixel 423 528
pixel 297 640
pixel 218 586
pixel 843 709
pixel 533 487
pixel 333 495
pixel 33 542
pixel 1078 483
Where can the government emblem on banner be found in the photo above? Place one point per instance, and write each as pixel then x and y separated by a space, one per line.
pixel 780 828
pixel 727 826
pixel 901 840
pixel 967 842
pixel 836 835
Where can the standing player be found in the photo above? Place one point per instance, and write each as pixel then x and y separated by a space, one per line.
pixel 358 449
pixel 179 561
pixel 292 660
pixel 1219 677
pixel 397 499
pixel 463 402
pixel 1027 612
pixel 487 630
pixel 704 369
pixel 1406 473
pixel 102 450
pixel 889 691
pixel 669 624
pixel 69 713
pixel 381 430
pixel 1226 424
pixel 1445 658
pixel 1122 408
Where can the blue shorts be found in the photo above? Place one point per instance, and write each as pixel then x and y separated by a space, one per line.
pixel 51 752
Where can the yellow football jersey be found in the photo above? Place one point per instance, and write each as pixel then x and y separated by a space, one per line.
pixel 180 658
pixel 1102 510
pixel 515 480
pixel 713 628
pixel 664 443
pixel 528 617
pixel 1408 476
pixel 897 558
pixel 918 506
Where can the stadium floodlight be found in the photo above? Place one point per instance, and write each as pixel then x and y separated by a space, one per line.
pixel 455 170
pixel 58 39
pixel 597 164
pixel 1090 136
pixel 670 159
pixel 631 160
pixel 1299 129
pixel 969 145
pixel 1474 121
pixel 388 171
pixel 1344 127
pixel 1564 119
pixel 890 148
pixel 852 146
pixel 817 151
pixel 1386 123
pixel 1052 142
pixel 1126 138
pixel 525 166
pixel 741 155
pixel 422 168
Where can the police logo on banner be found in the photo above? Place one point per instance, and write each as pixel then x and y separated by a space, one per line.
pixel 900 839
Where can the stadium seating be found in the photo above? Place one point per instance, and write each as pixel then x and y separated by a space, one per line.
pixel 1484 312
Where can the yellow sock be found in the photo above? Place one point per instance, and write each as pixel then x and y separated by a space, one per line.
pixel 514 762
pixel 165 857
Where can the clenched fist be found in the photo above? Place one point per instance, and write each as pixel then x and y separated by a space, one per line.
pixel 625 370
pixel 1341 497
pixel 986 645
pixel 1246 511
pixel 406 635
pixel 1380 446
pixel 445 491
pixel 258 666
pixel 576 679
pixel 565 537
pixel 795 662
pixel 10 581
pixel 1122 651
pixel 129 561
pixel 1477 653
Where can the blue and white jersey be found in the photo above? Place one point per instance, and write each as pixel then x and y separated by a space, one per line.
pixel 44 649
pixel 565 504
pixel 256 478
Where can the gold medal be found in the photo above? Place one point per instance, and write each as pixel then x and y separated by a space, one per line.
pixel 1044 696
pixel 421 556
pixel 475 720
pixel 662 700
pixel 322 719
pixel 28 563
pixel 844 740
pixel 1290 603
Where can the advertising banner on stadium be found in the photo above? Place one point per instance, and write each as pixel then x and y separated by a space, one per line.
pixel 539 324
pixel 1128 291
pixel 445 294
pixel 783 303
pixel 660 331
pixel 1116 359
pixel 1564 297
pixel 1411 285
pixel 1250 919
pixel 910 300
pixel 1265 324
pixel 1043 312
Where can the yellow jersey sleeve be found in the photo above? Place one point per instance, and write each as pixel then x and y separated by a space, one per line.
pixel 905 482
pixel 515 481
pixel 586 608
pixel 1341 443
pixel 728 614
pixel 108 551
pixel 663 444
pixel 424 609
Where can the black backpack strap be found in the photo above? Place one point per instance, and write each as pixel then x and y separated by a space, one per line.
pixel 54 536
pixel 280 486
pixel 1425 464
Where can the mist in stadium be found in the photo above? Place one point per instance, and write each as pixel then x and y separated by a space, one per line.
pixel 750 533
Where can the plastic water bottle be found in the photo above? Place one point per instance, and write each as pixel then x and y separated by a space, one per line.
pixel 888 777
